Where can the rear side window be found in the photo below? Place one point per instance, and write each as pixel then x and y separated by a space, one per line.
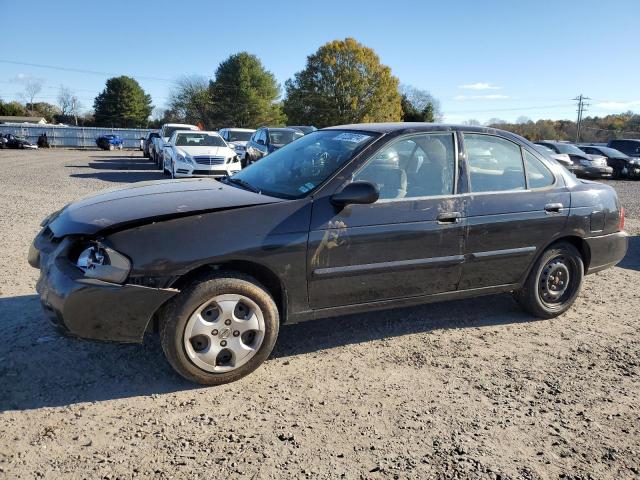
pixel 495 164
pixel 538 175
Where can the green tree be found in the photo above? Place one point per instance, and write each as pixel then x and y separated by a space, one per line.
pixel 43 109
pixel 123 103
pixel 190 100
pixel 15 109
pixel 244 94
pixel 343 82
pixel 419 105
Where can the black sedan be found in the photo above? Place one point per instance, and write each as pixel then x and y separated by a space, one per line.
pixel 622 165
pixel 585 165
pixel 343 220
pixel 13 141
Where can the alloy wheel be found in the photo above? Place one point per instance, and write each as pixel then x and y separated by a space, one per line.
pixel 224 333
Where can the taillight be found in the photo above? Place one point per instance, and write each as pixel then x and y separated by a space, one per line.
pixel 621 222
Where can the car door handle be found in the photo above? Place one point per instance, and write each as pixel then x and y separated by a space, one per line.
pixel 553 207
pixel 447 218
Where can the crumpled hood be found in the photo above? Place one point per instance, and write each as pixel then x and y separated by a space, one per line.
pixel 147 202
pixel 207 151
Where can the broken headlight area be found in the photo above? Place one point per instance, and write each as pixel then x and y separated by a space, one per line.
pixel 101 262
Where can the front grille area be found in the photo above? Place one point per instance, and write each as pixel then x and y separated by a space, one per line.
pixel 209 172
pixel 209 160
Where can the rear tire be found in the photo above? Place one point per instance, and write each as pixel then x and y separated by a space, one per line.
pixel 554 282
pixel 209 357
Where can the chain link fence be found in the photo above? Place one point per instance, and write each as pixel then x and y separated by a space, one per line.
pixel 80 137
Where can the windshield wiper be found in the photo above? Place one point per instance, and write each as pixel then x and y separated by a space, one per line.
pixel 241 183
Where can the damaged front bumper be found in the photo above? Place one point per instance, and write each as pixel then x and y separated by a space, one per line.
pixel 91 308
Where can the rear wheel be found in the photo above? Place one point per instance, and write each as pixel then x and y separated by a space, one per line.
pixel 219 329
pixel 554 282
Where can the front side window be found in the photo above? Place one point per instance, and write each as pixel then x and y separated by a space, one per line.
pixel 538 175
pixel 495 164
pixel 416 166
pixel 298 168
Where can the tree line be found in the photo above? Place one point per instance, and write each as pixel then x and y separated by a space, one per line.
pixel 592 129
pixel 342 82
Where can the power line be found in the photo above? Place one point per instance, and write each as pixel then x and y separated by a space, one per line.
pixel 581 109
pixel 79 70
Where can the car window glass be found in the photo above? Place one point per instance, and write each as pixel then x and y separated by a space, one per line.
pixel 495 164
pixel 417 166
pixel 538 175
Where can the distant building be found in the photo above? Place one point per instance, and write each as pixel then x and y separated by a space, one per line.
pixel 12 119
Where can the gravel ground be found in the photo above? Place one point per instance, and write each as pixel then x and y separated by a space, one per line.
pixel 468 389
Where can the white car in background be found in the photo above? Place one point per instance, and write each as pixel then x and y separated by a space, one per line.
pixel 165 133
pixel 237 139
pixel 198 153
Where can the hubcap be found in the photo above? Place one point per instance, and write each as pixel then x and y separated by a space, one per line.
pixel 554 280
pixel 224 333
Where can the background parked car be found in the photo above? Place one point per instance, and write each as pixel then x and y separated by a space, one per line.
pixel 303 128
pixel 165 133
pixel 592 166
pixel 562 158
pixel 109 142
pixel 3 141
pixel 190 153
pixel 623 165
pixel 148 140
pixel 627 146
pixel 237 139
pixel 13 141
pixel 266 140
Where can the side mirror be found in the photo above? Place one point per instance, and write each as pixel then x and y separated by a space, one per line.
pixel 356 193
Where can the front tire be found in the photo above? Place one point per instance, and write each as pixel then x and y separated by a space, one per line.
pixel 554 282
pixel 219 329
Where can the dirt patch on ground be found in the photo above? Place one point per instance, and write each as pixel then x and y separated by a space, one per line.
pixel 469 389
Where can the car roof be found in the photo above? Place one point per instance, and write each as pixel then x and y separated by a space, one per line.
pixel 239 129
pixel 191 132
pixel 179 125
pixel 413 126
pixel 281 129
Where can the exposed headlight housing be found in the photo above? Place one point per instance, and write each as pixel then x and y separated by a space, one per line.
pixel 103 263
pixel 184 158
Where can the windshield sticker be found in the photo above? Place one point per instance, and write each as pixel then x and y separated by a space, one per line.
pixel 352 137
pixel 306 187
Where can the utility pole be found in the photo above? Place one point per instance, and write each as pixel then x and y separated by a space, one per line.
pixel 581 109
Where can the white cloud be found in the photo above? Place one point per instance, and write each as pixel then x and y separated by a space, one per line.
pixel 21 78
pixel 479 86
pixel 480 97
pixel 618 105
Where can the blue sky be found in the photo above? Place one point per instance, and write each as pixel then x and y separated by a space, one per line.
pixel 482 59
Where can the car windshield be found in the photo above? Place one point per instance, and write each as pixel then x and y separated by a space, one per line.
pixel 611 152
pixel 199 140
pixel 283 137
pixel 568 148
pixel 298 168
pixel 168 131
pixel 239 136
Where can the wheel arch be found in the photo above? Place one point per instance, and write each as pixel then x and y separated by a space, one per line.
pixel 578 242
pixel 264 275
